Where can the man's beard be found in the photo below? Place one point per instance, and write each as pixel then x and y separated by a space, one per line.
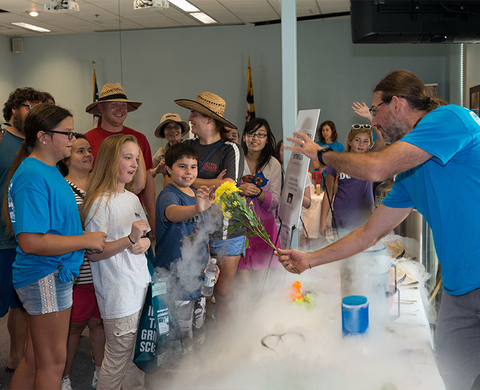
pixel 17 122
pixel 393 129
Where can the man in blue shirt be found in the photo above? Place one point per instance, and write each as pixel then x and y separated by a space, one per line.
pixel 15 110
pixel 431 144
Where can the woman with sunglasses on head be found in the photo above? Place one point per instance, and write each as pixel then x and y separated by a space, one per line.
pixel 364 111
pixel 46 223
pixel 350 199
pixel 261 184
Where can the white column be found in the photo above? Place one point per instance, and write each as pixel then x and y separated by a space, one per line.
pixel 289 79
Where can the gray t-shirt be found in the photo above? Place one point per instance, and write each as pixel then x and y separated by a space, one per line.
pixel 227 156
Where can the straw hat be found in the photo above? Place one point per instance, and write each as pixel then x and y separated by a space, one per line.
pixel 208 104
pixel 169 118
pixel 112 93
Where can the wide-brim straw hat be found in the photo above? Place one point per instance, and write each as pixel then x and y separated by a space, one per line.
pixel 168 118
pixel 208 104
pixel 112 93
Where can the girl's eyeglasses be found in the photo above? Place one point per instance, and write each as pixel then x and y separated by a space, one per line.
pixel 70 134
pixel 258 135
pixel 361 126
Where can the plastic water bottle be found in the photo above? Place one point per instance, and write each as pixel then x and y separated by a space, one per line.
pixel 210 273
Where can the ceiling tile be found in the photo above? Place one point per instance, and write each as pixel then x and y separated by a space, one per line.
pixel 99 15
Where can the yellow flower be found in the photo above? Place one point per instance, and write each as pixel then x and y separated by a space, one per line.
pixel 235 203
pixel 227 188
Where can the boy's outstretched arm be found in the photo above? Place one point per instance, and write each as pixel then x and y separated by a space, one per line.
pixel 176 213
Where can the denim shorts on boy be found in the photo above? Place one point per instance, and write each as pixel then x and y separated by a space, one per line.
pixel 47 295
pixel 228 247
pixel 85 304
pixel 8 296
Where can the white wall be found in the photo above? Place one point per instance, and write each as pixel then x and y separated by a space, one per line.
pixel 7 82
pixel 333 72
pixel 159 66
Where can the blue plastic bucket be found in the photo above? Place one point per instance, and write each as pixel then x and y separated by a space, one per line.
pixel 354 315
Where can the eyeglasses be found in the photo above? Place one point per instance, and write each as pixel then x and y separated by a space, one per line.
pixel 374 109
pixel 367 126
pixel 29 106
pixel 70 134
pixel 259 135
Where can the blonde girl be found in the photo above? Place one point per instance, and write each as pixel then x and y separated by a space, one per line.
pixel 120 273
pixel 352 198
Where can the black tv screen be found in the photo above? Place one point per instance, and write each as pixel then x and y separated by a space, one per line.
pixel 409 21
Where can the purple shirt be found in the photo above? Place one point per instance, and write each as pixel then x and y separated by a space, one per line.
pixel 353 203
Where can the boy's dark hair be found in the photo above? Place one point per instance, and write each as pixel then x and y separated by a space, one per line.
pixel 178 151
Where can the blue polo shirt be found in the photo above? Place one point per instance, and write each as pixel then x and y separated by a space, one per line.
pixel 445 190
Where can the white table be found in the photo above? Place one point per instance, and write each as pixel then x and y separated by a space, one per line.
pixel 312 354
pixel 311 216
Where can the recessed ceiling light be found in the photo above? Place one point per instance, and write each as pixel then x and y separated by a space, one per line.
pixel 33 14
pixel 184 5
pixel 203 17
pixel 31 27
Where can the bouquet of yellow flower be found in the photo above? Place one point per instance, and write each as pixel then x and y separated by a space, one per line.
pixel 235 206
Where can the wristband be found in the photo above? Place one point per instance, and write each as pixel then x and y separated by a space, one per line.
pixel 260 193
pixel 130 240
pixel 321 152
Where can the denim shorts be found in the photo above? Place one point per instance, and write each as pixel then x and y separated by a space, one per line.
pixel 229 247
pixel 47 295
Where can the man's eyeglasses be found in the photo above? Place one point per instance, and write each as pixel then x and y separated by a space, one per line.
pixel 71 134
pixel 367 126
pixel 374 109
pixel 29 106
pixel 172 127
pixel 259 135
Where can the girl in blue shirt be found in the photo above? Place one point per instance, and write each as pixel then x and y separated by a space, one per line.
pixel 46 224
pixel 327 136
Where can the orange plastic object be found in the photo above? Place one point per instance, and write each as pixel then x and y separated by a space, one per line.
pixel 296 293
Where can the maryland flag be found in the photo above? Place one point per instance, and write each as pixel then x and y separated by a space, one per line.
pixel 250 103
pixel 97 119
